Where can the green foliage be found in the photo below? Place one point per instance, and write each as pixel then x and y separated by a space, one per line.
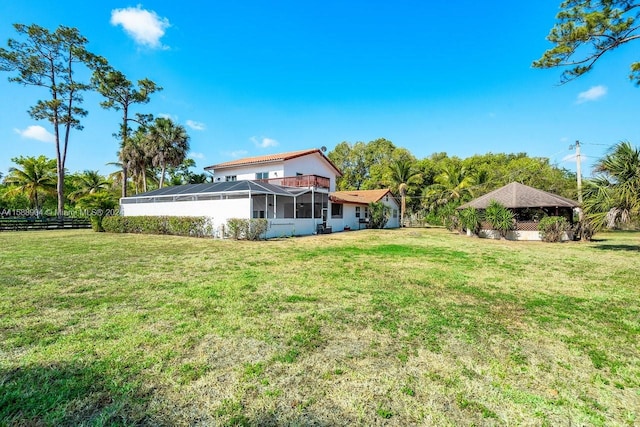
pixel 552 228
pixel 470 219
pixel 193 226
pixel 379 214
pixel 613 197
pixel 87 182
pixel 500 218
pixel 246 229
pixel 35 178
pixel 168 145
pixel 585 30
pixel 97 206
pixel 120 94
pixel 50 61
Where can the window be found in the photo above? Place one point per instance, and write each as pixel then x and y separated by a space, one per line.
pixel 262 175
pixel 230 178
pixel 366 211
pixel 357 211
pixel 395 213
pixel 258 214
pixel 336 210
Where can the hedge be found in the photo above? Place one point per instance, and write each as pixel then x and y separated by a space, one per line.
pixel 246 229
pixel 195 226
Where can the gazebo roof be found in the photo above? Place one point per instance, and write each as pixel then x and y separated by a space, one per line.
pixel 516 195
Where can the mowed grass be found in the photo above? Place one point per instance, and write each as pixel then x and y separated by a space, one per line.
pixel 400 327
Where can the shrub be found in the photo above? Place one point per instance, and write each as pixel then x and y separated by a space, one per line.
pixel 500 218
pixel 237 228
pixel 552 228
pixel 470 219
pixel 380 214
pixel 97 206
pixel 174 225
pixel 257 227
pixel 584 230
pixel 249 229
pixel 452 222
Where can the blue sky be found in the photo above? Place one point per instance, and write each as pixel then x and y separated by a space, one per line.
pixel 249 78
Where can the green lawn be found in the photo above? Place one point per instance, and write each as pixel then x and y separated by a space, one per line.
pixel 401 327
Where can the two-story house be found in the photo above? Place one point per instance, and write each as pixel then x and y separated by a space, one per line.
pixel 291 190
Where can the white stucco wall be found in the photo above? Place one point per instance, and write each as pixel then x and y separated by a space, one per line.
pixel 218 210
pixel 248 173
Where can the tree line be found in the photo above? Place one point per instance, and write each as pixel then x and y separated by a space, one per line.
pixel 51 61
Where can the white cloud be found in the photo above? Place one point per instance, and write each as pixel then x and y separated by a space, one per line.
pixel 264 142
pixel 36 132
pixel 594 93
pixel 195 125
pixel 145 26
pixel 195 155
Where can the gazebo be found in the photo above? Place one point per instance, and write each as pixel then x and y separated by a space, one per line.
pixel 528 204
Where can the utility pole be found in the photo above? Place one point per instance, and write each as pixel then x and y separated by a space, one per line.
pixel 578 169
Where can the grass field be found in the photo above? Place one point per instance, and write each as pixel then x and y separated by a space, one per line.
pixel 401 327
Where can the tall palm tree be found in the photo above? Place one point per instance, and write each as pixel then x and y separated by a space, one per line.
pixel 88 182
pixel 403 174
pixel 35 178
pixel 168 145
pixel 136 155
pixel 613 197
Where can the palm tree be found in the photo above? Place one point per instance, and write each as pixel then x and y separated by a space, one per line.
pixel 88 182
pixel 136 155
pixel 404 174
pixel 168 145
pixel 452 183
pixel 613 197
pixel 36 178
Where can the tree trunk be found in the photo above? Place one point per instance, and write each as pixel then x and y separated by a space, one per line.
pixel 124 181
pixel 164 170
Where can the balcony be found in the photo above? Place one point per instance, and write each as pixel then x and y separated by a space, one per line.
pixel 303 181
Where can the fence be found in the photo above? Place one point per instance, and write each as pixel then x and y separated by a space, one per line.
pixel 46 223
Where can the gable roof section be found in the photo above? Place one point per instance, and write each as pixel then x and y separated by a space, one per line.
pixel 271 158
pixel 516 195
pixel 361 197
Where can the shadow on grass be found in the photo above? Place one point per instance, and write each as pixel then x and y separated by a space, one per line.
pixel 619 247
pixel 67 394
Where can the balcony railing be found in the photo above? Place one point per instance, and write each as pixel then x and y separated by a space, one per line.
pixel 304 181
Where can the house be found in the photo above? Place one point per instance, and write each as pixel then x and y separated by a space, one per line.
pixel 350 209
pixel 291 190
pixel 529 205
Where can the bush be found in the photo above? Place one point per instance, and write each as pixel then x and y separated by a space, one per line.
pixel 500 218
pixel 195 226
pixel 470 219
pixel 380 214
pixel 246 229
pixel 552 228
pixel 584 230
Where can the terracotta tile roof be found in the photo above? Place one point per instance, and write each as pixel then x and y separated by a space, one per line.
pixel 363 197
pixel 516 195
pixel 270 158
